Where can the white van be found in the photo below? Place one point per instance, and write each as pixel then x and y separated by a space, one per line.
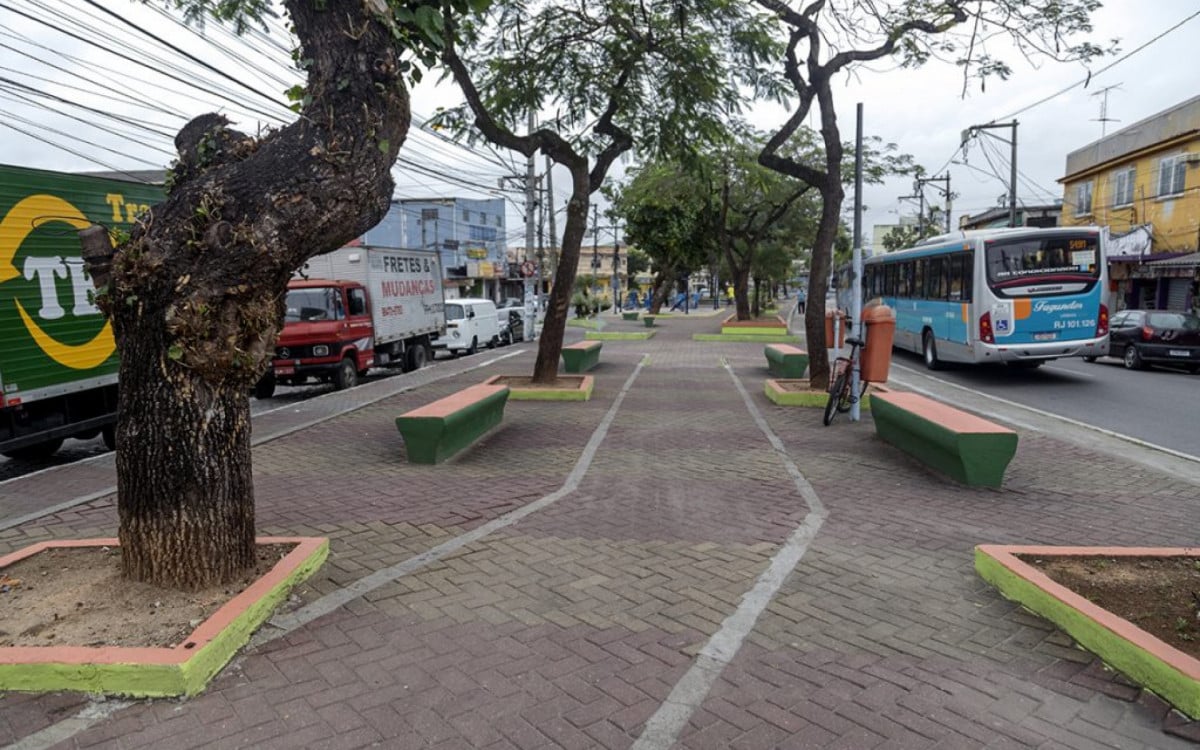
pixel 469 323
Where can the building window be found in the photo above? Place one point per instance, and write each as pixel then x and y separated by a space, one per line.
pixel 1083 198
pixel 1123 186
pixel 1171 172
pixel 466 216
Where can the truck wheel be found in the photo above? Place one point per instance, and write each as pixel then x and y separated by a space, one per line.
pixel 417 357
pixel 346 375
pixel 110 437
pixel 265 387
pixel 38 452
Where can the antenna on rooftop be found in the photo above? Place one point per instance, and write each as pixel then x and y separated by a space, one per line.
pixel 1104 119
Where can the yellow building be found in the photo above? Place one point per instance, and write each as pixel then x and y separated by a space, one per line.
pixel 1143 183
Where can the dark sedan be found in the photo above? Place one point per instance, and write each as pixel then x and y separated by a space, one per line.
pixel 1158 337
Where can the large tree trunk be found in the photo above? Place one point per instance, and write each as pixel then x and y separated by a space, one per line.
pixel 545 369
pixel 818 284
pixel 196 294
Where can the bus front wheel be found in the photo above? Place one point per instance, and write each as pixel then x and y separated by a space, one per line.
pixel 929 349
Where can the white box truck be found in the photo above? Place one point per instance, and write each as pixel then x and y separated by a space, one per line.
pixel 357 308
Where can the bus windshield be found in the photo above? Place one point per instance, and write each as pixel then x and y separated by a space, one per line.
pixel 1037 263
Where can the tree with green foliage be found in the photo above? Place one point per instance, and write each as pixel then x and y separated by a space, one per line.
pixel 195 293
pixel 827 39
pixel 653 77
pixel 664 211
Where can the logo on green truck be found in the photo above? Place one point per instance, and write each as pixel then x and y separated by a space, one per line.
pixel 51 331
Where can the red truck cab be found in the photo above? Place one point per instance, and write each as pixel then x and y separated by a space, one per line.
pixel 327 334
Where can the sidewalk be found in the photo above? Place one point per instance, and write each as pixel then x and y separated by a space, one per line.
pixel 675 563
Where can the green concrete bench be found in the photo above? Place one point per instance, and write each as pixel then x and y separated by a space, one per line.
pixel 786 361
pixel 648 320
pixel 437 431
pixel 581 356
pixel 968 448
pixel 630 315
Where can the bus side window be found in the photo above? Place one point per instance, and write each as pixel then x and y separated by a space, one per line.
pixel 954 264
pixel 919 283
pixel 935 287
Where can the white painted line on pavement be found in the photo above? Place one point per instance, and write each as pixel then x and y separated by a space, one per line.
pixel 663 728
pixel 284 624
pixel 1005 417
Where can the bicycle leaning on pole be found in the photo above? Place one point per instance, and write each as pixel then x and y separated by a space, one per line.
pixel 841 395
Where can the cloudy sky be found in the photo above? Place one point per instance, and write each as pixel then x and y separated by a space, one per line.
pixel 82 89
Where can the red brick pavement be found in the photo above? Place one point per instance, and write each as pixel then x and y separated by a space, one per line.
pixel 570 627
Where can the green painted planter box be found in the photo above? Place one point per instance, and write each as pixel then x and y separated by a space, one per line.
pixel 968 448
pixel 150 671
pixel 784 361
pixel 581 356
pixel 648 320
pixel 619 335
pixel 1140 656
pixel 630 315
pixel 437 431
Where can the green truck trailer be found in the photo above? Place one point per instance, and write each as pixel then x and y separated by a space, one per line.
pixel 58 358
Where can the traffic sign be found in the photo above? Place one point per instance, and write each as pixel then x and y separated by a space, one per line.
pixel 528 269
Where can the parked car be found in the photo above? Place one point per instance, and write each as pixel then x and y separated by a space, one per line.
pixel 512 325
pixel 1159 337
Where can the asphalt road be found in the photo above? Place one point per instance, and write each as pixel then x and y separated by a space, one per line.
pixel 1159 406
pixel 77 450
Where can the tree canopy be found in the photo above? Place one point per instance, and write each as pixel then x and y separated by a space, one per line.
pixel 589 82
pixel 829 38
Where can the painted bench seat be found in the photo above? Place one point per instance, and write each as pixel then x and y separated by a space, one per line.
pixel 786 361
pixel 437 431
pixel 968 448
pixel 581 356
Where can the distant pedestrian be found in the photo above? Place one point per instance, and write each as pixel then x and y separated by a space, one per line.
pixel 801 301
pixel 730 296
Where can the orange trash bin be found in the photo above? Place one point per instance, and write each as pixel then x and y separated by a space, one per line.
pixel 880 323
pixel 830 316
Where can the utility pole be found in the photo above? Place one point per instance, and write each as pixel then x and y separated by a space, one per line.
pixel 945 191
pixel 596 256
pixel 856 311
pixel 616 271
pixel 530 205
pixel 551 211
pixel 1012 176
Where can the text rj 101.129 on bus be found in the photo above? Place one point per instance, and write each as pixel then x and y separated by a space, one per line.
pixel 1019 296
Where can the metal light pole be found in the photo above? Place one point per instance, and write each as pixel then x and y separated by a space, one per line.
pixel 596 256
pixel 857 261
pixel 616 271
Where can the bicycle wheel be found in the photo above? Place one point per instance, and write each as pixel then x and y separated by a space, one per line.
pixel 846 399
pixel 839 392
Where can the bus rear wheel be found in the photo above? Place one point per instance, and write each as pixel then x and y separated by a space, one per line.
pixel 929 350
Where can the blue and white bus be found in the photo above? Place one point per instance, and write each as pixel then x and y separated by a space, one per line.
pixel 1020 296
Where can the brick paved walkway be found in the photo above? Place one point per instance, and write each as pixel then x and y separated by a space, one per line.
pixel 571 625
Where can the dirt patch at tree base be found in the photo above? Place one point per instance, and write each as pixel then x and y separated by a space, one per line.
pixel 525 382
pixel 75 596
pixel 1160 595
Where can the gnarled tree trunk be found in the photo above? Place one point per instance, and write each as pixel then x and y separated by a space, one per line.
pixel 196 293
